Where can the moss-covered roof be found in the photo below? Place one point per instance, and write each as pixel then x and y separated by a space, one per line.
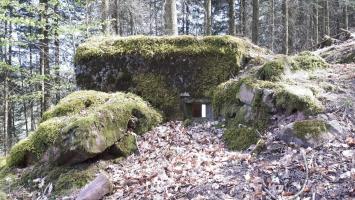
pixel 150 46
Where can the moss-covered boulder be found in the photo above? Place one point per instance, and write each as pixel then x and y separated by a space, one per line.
pixel 306 133
pixel 161 68
pixel 83 125
pixel 249 102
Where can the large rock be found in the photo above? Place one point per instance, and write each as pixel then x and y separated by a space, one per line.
pixel 84 125
pixel 264 93
pixel 246 94
pixel 306 133
pixel 96 189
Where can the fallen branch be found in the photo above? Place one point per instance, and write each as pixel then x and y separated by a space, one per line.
pixel 136 140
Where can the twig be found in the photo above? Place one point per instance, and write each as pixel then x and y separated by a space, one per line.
pixel 268 192
pixel 306 181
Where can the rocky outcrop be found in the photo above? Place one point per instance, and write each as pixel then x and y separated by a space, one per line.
pixel 249 103
pixel 83 125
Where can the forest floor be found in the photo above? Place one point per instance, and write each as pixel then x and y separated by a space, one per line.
pixel 177 162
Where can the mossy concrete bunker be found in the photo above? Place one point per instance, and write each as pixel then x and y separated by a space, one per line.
pixel 162 69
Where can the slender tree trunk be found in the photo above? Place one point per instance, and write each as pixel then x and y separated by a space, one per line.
pixel 24 104
pixel 31 101
pixel 6 111
pixel 327 19
pixel 131 23
pixel 57 56
pixel 316 21
pixel 243 16
pixel 285 23
pixel 272 23
pixel 45 58
pixel 208 4
pixel 87 8
pixel 115 16
pixel 170 17
pixel 187 18
pixel 291 27
pixel 346 16
pixel 255 24
pixel 231 13
pixel 104 16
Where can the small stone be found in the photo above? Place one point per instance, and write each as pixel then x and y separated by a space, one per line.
pixel 335 127
pixel 348 153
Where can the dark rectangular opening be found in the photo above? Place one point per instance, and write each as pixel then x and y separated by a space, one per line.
pixel 196 110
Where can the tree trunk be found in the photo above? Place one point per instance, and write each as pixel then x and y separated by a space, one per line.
pixel 6 111
pixel 285 23
pixel 131 23
pixel 187 31
pixel 346 16
pixel 24 104
pixel 116 16
pixel 104 16
pixel 32 87
pixel 327 19
pixel 45 58
pixel 208 5
pixel 255 24
pixel 57 56
pixel 272 23
pixel 243 16
pixel 231 14
pixel 316 21
pixel 170 17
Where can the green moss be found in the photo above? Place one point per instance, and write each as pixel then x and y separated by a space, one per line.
pixel 272 71
pixel 65 179
pixel 172 65
pixel 225 97
pixel 75 103
pixel 155 89
pixel 240 138
pixel 161 47
pixel 307 61
pixel 309 128
pixel 111 119
pixel 127 145
pixel 72 180
pixel 2 162
pixel 292 99
pixel 261 112
pixel 19 152
pixel 3 196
